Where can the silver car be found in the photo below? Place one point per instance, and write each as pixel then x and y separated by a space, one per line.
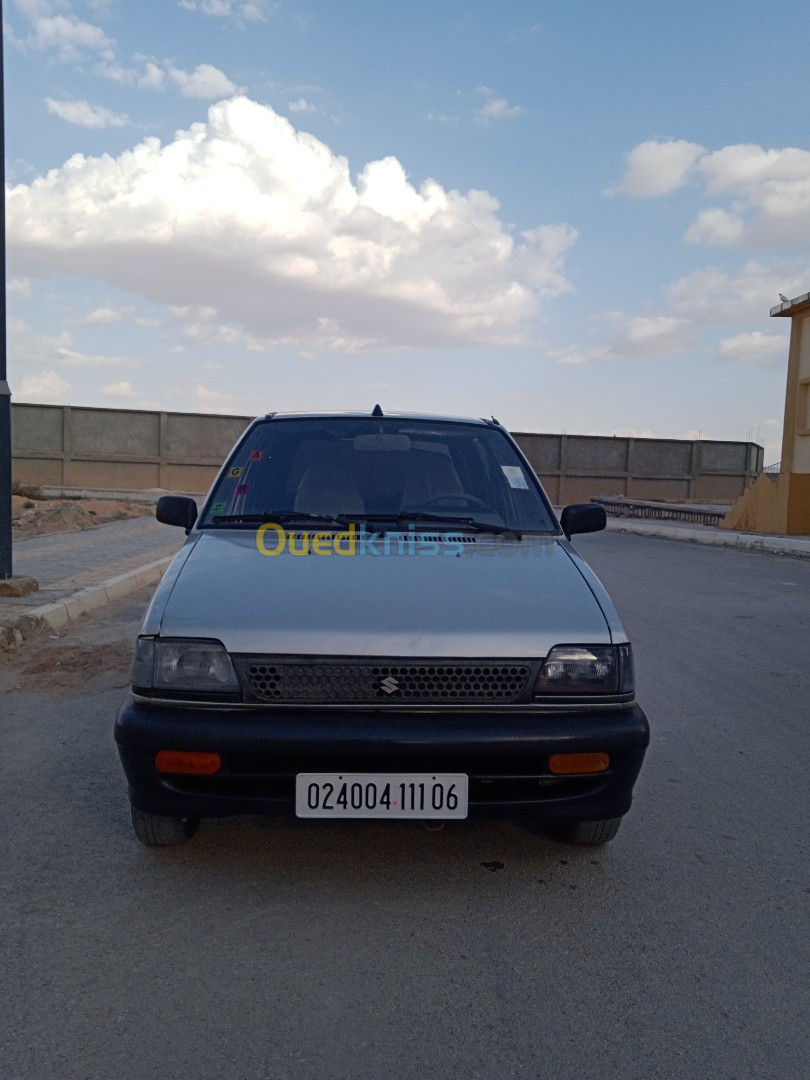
pixel 380 616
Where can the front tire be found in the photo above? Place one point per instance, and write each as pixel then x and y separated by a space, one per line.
pixel 156 831
pixel 590 833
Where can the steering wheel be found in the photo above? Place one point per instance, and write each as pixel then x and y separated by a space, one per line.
pixel 445 502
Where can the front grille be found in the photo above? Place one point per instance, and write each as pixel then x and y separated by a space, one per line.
pixel 338 682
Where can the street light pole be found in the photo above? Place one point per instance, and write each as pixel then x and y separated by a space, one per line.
pixel 5 393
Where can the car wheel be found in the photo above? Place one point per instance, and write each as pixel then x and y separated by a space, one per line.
pixel 156 831
pixel 590 833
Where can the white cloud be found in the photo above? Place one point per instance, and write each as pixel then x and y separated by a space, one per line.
pixel 209 400
pixel 83 114
pixel 18 169
pixel 153 77
pixel 302 106
pixel 708 297
pixel 441 118
pixel 742 166
pixel 712 295
pixel 498 109
pixel 115 72
pixel 626 433
pixel 644 336
pixel 574 357
pixel 18 287
pixel 119 389
pixel 266 225
pixel 105 316
pixel 205 82
pixel 45 386
pixel 249 11
pixel 494 108
pixel 754 348
pixel 149 77
pixel 71 38
pixel 655 168
pixel 651 335
pixel 717 228
pixel 768 190
pixel 26 346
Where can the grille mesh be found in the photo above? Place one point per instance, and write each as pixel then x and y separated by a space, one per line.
pixel 349 682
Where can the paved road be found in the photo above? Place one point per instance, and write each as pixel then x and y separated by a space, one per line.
pixel 278 950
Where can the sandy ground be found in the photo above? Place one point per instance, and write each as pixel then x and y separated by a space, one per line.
pixel 35 517
pixel 62 671
pixel 89 657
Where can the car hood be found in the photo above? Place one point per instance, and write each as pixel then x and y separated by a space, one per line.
pixel 500 598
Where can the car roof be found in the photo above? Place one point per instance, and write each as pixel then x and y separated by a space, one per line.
pixel 367 415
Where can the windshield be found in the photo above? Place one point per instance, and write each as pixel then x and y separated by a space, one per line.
pixel 386 469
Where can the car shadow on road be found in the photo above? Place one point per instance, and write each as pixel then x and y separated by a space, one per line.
pixel 364 858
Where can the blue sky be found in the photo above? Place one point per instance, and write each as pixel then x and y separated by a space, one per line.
pixel 574 217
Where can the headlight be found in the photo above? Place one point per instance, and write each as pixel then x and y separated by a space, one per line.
pixel 586 669
pixel 178 665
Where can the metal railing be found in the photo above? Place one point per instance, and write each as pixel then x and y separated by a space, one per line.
pixel 661 511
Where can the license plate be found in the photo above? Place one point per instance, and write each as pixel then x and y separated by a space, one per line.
pixel 381 795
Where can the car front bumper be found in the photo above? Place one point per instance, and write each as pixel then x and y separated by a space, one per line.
pixel 504 752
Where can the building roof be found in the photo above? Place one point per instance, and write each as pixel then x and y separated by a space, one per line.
pixel 799 306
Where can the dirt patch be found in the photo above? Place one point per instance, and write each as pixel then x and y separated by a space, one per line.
pixel 36 517
pixel 73 670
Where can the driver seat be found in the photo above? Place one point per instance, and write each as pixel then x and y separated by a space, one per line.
pixel 328 489
pixel 430 476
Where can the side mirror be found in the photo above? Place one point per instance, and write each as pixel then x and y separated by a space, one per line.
pixel 583 518
pixel 176 510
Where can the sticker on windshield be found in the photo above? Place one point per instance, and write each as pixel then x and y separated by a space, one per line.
pixel 256 455
pixel 235 473
pixel 514 474
pixel 242 489
pixel 218 508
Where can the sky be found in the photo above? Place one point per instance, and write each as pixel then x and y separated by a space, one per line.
pixel 574 217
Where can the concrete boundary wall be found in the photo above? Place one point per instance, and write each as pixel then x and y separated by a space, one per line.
pixel 133 450
pixel 574 468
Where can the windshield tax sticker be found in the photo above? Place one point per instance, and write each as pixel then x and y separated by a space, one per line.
pixel 218 508
pixel 256 455
pixel 235 473
pixel 514 474
pixel 242 489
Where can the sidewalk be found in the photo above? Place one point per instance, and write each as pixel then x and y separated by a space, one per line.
pixel 81 571
pixel 709 534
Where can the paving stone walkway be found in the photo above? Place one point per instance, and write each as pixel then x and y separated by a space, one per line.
pixel 65 563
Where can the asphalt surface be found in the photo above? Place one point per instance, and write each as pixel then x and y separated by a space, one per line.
pixel 284 950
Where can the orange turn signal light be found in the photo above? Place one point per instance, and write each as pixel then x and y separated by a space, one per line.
pixel 191 762
pixel 567 764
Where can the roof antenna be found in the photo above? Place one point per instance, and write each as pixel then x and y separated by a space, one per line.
pixel 376 411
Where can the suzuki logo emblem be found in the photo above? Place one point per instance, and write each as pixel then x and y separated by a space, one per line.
pixel 389 684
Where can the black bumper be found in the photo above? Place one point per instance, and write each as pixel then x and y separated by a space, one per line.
pixel 504 752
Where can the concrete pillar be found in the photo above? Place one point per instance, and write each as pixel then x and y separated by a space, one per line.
pixel 782 504
pixel 67 445
pixel 794 473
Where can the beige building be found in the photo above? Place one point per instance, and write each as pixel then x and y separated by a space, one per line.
pixel 781 503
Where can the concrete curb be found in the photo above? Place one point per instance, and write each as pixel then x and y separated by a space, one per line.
pixel 55 616
pixel 701 534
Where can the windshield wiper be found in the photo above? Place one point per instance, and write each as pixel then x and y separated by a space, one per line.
pixel 279 516
pixel 420 515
